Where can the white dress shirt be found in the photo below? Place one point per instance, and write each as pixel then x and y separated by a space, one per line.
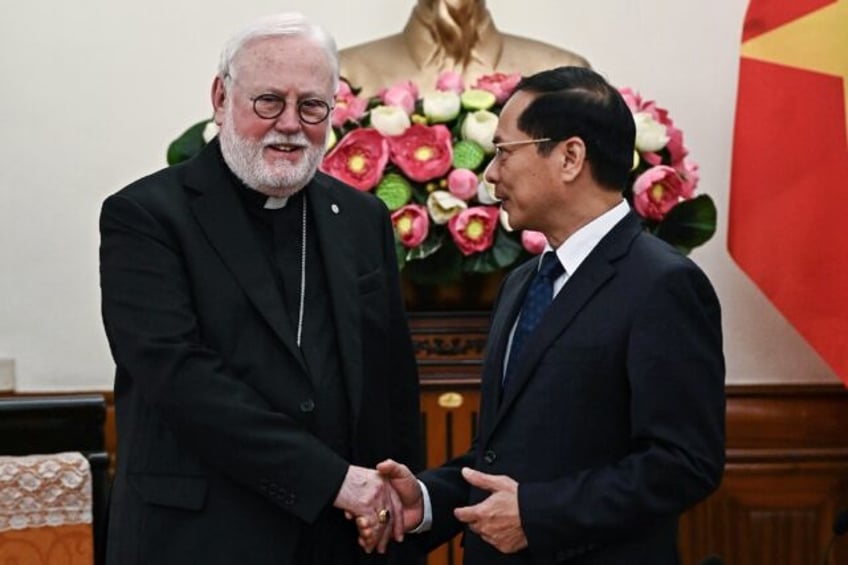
pixel 571 253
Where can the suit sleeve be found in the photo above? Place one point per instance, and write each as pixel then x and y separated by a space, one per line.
pixel 212 414
pixel 675 371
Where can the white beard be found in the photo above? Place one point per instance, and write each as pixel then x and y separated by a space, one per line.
pixel 281 178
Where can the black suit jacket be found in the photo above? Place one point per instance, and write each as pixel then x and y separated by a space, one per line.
pixel 214 404
pixel 614 425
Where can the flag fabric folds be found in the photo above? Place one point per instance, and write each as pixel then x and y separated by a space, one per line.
pixel 788 227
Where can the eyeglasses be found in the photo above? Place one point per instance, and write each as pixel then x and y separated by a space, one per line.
pixel 310 111
pixel 499 146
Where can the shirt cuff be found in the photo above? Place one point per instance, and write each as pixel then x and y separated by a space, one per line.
pixel 427 517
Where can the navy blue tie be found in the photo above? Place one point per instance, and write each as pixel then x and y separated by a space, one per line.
pixel 538 298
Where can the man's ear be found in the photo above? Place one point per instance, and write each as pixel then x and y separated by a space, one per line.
pixel 572 153
pixel 219 99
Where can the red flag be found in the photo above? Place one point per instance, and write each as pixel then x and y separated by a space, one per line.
pixel 788 225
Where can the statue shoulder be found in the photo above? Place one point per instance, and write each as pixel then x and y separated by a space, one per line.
pixel 530 55
pixel 381 47
pixel 378 63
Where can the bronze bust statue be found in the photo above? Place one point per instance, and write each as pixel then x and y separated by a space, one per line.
pixel 457 35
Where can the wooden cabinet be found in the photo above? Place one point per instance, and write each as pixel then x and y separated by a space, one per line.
pixel 785 480
pixel 449 349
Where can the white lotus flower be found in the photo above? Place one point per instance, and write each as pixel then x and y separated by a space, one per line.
pixel 480 126
pixel 210 131
pixel 389 120
pixel 442 206
pixel 650 134
pixel 486 192
pixel 504 218
pixel 332 139
pixel 441 106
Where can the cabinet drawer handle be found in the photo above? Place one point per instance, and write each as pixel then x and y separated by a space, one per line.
pixel 450 400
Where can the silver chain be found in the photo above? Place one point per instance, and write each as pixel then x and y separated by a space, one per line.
pixel 302 274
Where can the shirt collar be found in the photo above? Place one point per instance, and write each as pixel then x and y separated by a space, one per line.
pixel 577 247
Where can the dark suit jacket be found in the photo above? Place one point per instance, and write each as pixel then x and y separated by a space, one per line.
pixel 614 425
pixel 214 404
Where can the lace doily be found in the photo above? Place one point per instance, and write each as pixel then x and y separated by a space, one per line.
pixel 44 490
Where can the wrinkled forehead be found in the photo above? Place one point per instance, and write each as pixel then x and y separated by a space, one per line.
pixel 283 64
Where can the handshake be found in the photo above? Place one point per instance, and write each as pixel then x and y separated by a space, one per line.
pixel 388 502
pixel 385 502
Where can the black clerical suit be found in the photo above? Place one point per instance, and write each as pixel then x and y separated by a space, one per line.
pixel 232 440
pixel 614 423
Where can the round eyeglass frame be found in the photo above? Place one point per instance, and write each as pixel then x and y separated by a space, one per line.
pixel 304 118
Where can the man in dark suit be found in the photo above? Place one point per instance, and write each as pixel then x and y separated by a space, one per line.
pixel 253 310
pixel 604 422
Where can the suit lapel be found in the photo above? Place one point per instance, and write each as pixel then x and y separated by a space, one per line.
pixel 509 304
pixel 335 237
pixel 582 285
pixel 223 219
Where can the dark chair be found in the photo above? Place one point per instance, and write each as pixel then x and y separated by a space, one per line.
pixel 31 425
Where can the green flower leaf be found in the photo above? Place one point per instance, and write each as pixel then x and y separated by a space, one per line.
pixel 428 247
pixel 442 265
pixel 689 224
pixel 188 144
pixel 400 253
pixel 503 253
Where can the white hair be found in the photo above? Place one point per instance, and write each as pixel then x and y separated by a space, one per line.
pixel 286 24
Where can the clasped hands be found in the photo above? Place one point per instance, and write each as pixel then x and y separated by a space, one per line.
pixel 367 493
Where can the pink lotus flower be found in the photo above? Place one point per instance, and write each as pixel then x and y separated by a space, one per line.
pixel 450 81
pixel 689 172
pixel 402 95
pixel 427 151
pixel 358 159
pixel 656 191
pixel 533 241
pixel 348 106
pixel 676 151
pixel 632 99
pixel 473 230
pixel 499 84
pixel 422 152
pixel 462 183
pixel 411 224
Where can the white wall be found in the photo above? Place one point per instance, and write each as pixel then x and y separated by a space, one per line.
pixel 93 91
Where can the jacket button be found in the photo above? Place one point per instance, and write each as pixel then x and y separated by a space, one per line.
pixel 490 456
pixel 307 405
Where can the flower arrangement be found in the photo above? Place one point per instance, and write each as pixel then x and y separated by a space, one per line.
pixel 424 157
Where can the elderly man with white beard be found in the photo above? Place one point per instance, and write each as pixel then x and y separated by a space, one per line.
pixel 252 305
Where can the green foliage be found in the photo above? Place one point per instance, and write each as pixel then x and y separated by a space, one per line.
pixel 689 224
pixel 188 144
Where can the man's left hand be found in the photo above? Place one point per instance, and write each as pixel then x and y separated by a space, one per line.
pixel 496 519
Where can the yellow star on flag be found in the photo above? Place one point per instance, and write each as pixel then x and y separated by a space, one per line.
pixel 816 42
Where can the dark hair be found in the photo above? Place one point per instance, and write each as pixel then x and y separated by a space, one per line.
pixel 578 102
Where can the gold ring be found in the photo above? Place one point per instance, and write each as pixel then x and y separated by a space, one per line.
pixel 383 515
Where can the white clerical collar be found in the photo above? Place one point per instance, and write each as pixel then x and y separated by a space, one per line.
pixel 276 202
